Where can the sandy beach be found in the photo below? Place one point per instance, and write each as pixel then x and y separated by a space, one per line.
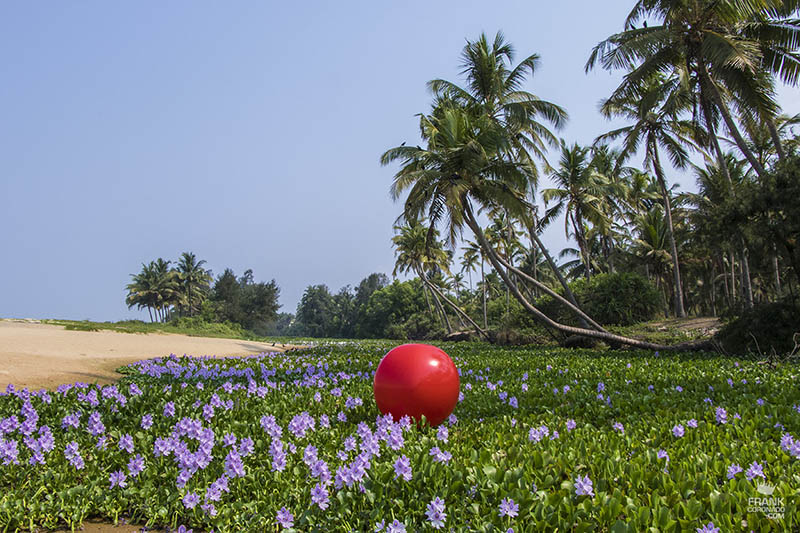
pixel 38 356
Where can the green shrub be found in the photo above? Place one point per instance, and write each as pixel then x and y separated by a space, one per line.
pixel 763 329
pixel 617 299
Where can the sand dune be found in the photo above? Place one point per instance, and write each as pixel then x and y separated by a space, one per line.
pixel 41 355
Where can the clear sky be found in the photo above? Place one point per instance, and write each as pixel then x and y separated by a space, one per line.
pixel 246 132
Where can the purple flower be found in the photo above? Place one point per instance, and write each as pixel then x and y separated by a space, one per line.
pixel 147 422
pixel 402 467
pixel 708 528
pixel 136 465
pixel 619 427
pixel 662 454
pixel 601 387
pixel 95 424
pixel 228 440
pixel 721 415
pixel 678 430
pixel 508 508
pixel 117 479
pixel 755 470
pixel 442 433
pixel 583 486
pixel 72 420
pixel 319 495
pixel 191 500
pixel 733 470
pixel 126 443
pixel 570 424
pixel 396 527
pixel 439 456
pixel 285 518
pixel 692 423
pixel 435 513
pixel 233 464
pixel 169 409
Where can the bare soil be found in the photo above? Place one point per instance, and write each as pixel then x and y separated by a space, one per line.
pixel 44 356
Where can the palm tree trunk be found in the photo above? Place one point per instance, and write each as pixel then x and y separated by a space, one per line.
pixel 680 312
pixel 556 271
pixel 461 313
pixel 150 312
pixel 776 138
pixel 747 285
pixel 733 276
pixel 574 308
pixel 580 236
pixel 609 337
pixel 777 271
pixel 713 288
pixel 483 288
pixel 438 304
pixel 744 271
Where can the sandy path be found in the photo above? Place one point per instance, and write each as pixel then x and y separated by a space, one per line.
pixel 43 355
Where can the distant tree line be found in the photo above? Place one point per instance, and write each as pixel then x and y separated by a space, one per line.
pixel 187 289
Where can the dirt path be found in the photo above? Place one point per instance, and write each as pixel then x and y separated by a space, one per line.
pixel 45 356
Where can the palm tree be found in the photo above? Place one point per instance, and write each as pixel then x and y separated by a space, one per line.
pixel 655 123
pixel 194 280
pixel 462 169
pixel 724 51
pixel 417 252
pixel 494 87
pixel 155 287
pixel 473 252
pixel 578 193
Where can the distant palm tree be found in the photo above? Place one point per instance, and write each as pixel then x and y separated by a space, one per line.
pixel 194 281
pixel 155 287
pixel 419 250
pixel 578 193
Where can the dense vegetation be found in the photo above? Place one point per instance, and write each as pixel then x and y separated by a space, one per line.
pixel 185 296
pixel 540 439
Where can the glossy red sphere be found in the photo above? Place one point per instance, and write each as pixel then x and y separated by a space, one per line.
pixel 416 380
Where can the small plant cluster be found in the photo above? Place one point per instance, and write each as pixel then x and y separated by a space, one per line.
pixel 541 439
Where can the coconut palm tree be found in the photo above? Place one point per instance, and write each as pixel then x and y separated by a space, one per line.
pixel 426 257
pixel 653 114
pixel 462 169
pixel 472 254
pixel 724 51
pixel 194 280
pixel 495 87
pixel 578 194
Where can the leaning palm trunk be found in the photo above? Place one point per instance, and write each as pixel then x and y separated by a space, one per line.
pixel 776 138
pixel 443 314
pixel 461 313
pixel 557 272
pixel 676 269
pixel 574 308
pixel 605 336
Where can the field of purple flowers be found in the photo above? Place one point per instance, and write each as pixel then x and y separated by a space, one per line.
pixel 541 439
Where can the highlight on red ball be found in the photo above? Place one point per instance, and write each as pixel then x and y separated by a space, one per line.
pixel 417 380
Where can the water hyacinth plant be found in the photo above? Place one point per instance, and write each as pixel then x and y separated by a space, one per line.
pixel 295 441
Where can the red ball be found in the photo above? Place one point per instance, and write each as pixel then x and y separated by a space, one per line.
pixel 416 380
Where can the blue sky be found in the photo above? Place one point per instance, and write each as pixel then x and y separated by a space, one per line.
pixel 246 132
